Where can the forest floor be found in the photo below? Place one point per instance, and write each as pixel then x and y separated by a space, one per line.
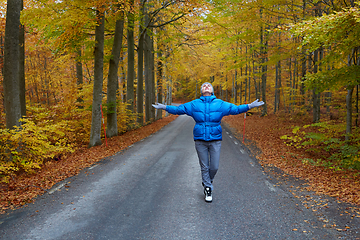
pixel 263 132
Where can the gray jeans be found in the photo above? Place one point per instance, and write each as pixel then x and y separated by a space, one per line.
pixel 209 156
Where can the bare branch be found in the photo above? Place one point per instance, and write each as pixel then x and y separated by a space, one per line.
pixel 170 21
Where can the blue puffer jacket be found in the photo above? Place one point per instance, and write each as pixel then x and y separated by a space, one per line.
pixel 207 113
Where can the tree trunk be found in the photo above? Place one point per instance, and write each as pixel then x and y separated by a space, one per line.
pixel 233 97
pixel 254 78
pixel 2 53
pixel 226 87
pixel 12 100
pixel 131 60
pixel 95 134
pixel 245 78
pixel 303 73
pixel 263 86
pixel 349 112
pixel 290 84
pixel 357 106
pixel 147 67
pixel 236 88
pixel 277 87
pixel 140 75
pixel 169 85
pixel 294 87
pixel 79 74
pixel 112 85
pixel 140 84
pixel 147 71
pixel 249 85
pixel 46 83
pixel 241 87
pixel 79 69
pixel 350 90
pixel 240 92
pixel 196 89
pixel 159 77
pixel 152 74
pixel 316 96
pixel 22 85
pixel 168 95
pixel 263 60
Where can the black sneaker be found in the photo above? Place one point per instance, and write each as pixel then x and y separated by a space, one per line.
pixel 208 197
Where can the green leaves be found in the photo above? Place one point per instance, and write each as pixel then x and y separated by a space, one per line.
pixel 339 30
pixel 333 79
pixel 338 36
pixel 327 136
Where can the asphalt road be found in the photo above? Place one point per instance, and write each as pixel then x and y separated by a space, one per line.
pixel 153 191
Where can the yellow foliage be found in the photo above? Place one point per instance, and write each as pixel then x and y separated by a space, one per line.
pixel 27 147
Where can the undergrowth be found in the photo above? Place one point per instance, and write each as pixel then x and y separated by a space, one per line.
pixel 329 137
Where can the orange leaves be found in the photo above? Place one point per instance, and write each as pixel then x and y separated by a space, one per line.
pixel 266 132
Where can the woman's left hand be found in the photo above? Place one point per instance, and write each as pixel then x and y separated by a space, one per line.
pixel 256 103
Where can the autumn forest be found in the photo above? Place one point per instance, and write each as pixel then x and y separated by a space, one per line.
pixel 76 74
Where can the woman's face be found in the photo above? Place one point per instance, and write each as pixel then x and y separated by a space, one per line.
pixel 206 90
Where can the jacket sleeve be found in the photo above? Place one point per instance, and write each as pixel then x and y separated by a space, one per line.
pixel 232 109
pixel 185 108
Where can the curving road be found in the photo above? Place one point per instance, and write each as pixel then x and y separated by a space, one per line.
pixel 153 191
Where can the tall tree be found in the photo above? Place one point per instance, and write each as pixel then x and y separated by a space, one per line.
pixel 22 85
pixel 263 63
pixel 152 75
pixel 131 58
pixel 147 66
pixel 12 100
pixel 79 73
pixel 112 129
pixel 159 77
pixel 316 94
pixel 140 75
pixel 95 134
pixel 151 13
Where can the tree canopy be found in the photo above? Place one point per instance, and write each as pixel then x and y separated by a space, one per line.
pixel 300 57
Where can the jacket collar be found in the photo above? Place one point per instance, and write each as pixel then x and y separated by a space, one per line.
pixel 208 98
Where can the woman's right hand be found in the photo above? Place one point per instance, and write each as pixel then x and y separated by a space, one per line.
pixel 159 106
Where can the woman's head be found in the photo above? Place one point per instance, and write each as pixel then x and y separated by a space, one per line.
pixel 206 89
